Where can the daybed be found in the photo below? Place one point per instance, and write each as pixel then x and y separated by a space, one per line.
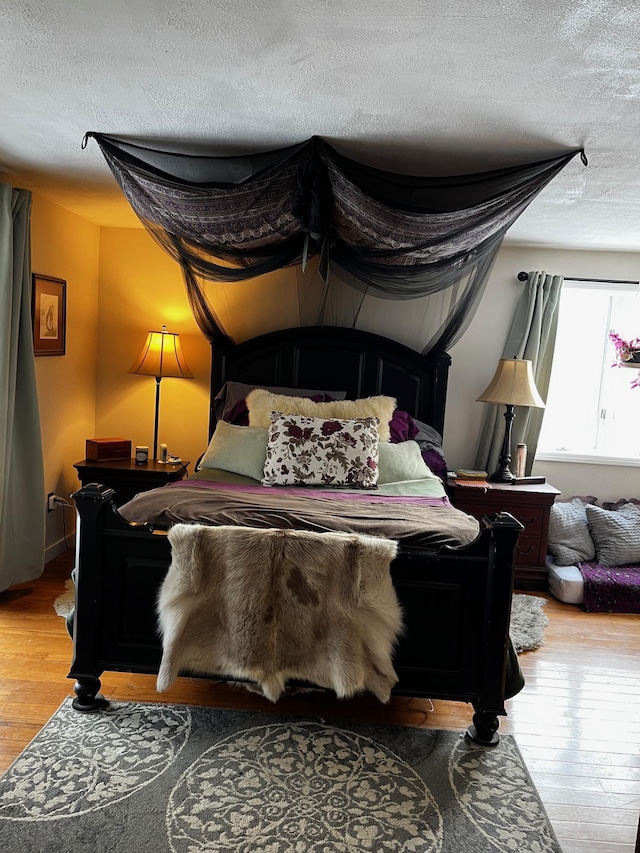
pixel 455 598
pixel 594 558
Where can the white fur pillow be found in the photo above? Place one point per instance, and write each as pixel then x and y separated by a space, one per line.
pixel 261 403
pixel 306 451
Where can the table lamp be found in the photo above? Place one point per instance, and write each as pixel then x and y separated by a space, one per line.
pixel 512 385
pixel 161 356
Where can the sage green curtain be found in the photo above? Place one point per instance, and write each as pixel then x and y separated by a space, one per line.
pixel 532 337
pixel 22 504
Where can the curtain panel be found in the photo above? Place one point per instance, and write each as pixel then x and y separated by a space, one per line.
pixel 388 236
pixel 22 505
pixel 532 337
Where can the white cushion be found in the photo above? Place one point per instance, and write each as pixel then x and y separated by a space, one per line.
pixel 565 583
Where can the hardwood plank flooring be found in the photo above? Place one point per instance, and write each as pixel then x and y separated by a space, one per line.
pixel 577 722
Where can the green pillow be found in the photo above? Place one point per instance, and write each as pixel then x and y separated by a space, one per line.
pixel 400 462
pixel 239 449
pixel 243 450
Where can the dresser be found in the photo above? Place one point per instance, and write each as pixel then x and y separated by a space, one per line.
pixel 530 504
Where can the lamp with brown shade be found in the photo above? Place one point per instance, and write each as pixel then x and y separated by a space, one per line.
pixel 512 385
pixel 161 356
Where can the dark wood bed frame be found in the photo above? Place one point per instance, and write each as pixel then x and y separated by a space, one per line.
pixel 456 602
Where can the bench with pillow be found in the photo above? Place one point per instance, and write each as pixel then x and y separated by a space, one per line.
pixel 594 554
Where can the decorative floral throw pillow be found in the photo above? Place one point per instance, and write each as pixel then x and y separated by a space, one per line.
pixel 306 451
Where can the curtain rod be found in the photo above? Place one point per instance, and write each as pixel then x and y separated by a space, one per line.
pixel 523 276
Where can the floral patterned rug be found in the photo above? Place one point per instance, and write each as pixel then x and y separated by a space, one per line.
pixel 152 777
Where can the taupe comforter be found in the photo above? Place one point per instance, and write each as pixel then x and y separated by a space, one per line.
pixel 427 522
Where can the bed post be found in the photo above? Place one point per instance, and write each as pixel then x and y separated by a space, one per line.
pixel 489 703
pixel 91 502
pixel 219 349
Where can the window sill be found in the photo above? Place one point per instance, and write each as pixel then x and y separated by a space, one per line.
pixel 587 459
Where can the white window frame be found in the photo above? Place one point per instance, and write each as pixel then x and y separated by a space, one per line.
pixel 599 458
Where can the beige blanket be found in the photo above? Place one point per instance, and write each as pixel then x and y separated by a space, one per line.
pixel 271 605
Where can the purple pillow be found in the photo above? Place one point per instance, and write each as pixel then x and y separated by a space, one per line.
pixel 402 427
pixel 436 463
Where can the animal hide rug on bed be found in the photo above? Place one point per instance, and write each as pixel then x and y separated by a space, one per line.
pixel 271 605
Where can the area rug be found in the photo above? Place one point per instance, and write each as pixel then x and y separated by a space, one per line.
pixel 528 622
pixel 64 603
pixel 154 778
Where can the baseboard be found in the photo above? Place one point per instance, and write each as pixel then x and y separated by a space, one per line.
pixel 59 547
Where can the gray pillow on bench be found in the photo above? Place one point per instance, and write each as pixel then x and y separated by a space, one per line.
pixel 569 538
pixel 616 534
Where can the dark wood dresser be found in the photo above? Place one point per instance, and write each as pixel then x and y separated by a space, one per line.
pixel 530 504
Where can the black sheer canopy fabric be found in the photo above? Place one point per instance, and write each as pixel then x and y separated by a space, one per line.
pixel 388 236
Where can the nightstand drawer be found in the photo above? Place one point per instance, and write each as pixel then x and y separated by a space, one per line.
pixel 532 518
pixel 530 504
pixel 527 551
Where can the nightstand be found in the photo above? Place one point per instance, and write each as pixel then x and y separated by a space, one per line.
pixel 127 478
pixel 531 505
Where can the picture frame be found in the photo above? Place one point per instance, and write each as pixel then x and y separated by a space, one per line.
pixel 49 314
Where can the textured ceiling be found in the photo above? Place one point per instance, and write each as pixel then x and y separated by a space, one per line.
pixel 420 86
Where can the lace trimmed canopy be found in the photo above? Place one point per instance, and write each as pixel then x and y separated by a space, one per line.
pixel 376 235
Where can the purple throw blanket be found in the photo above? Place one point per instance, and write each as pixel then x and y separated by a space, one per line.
pixel 611 590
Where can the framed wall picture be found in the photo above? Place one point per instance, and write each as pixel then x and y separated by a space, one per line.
pixel 49 312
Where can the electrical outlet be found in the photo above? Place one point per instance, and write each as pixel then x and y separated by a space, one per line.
pixel 52 501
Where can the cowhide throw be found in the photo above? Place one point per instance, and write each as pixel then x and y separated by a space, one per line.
pixel 269 605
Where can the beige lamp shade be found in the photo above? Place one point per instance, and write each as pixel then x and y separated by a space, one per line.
pixel 161 355
pixel 513 385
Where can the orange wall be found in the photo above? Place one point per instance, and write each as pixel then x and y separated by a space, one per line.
pixel 141 289
pixel 65 246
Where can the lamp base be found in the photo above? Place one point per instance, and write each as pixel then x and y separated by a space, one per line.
pixel 502 475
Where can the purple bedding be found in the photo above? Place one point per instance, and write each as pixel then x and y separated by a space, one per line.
pixel 412 520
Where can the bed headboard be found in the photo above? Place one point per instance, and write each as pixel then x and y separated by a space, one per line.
pixel 330 357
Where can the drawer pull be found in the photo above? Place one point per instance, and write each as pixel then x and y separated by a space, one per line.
pixel 528 551
pixel 529 521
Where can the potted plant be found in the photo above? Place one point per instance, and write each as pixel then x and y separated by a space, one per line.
pixel 627 354
pixel 625 350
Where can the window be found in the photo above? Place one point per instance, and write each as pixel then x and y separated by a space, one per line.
pixel 592 413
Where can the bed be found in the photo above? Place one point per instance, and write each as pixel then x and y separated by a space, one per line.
pixel 456 599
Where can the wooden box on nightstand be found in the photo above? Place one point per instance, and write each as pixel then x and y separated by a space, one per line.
pixel 531 505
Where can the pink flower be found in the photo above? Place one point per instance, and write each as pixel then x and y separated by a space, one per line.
pixel 626 351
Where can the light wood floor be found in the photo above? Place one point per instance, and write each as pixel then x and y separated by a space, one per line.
pixel 577 722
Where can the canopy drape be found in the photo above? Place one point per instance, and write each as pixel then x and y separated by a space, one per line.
pixel 386 235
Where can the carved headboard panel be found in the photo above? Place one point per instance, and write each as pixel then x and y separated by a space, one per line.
pixel 361 363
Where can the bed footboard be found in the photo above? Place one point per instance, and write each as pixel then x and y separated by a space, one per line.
pixel 456 604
